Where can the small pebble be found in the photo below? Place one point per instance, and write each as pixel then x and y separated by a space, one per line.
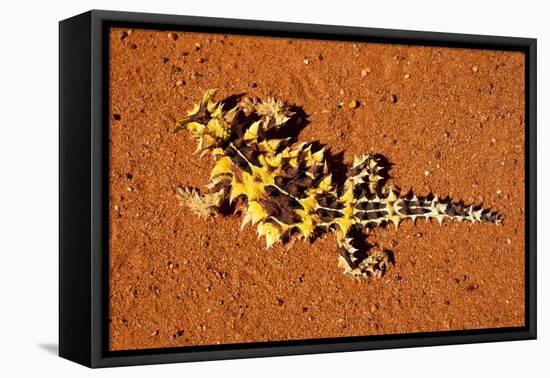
pixel 446 134
pixel 499 192
pixel 198 46
pixel 201 60
pixel 116 117
pixel 179 83
pixel 320 56
pixel 133 46
pixel 393 98
pixel 508 241
pixel 172 36
pixel 122 34
pixel 353 104
pixel 475 68
pixel 365 72
pixel 306 61
pixel 130 31
pixel 426 173
pixel 253 85
pixel 165 60
pixel 373 308
pixel 406 76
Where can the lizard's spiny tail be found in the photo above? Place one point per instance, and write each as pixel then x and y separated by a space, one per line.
pixel 413 207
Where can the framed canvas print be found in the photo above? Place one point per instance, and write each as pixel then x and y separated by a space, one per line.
pixel 234 188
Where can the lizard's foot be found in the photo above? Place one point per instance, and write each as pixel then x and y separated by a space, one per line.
pixel 204 205
pixel 375 264
pixel 357 263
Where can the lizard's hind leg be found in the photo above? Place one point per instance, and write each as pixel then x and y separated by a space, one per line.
pixel 366 169
pixel 206 204
pixel 359 260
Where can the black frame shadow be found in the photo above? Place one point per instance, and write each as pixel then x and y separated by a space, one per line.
pixel 84 188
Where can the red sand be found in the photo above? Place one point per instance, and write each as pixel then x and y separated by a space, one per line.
pixel 456 128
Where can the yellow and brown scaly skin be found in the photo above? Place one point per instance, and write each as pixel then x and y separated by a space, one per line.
pixel 286 189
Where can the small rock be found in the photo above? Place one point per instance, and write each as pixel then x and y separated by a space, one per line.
pixel 172 36
pixel 130 31
pixel 198 46
pixel 353 104
pixel 116 116
pixel 122 35
pixel 509 241
pixel 179 83
pixel 419 234
pixel 426 173
pixel 320 56
pixel 365 72
pixel 446 134
pixel 499 192
pixel 165 60
pixel 393 98
pixel 306 61
pixel 201 60
pixel 475 69
pixel 133 46
pixel 373 308
pixel 406 76
pixel 253 85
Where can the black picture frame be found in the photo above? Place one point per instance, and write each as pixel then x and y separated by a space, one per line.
pixel 84 191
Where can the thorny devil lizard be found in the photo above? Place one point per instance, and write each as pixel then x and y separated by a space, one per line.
pixel 287 190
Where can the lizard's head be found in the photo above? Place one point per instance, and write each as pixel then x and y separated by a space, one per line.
pixel 213 126
pixel 209 123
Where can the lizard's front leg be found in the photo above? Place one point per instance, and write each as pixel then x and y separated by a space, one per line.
pixel 208 203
